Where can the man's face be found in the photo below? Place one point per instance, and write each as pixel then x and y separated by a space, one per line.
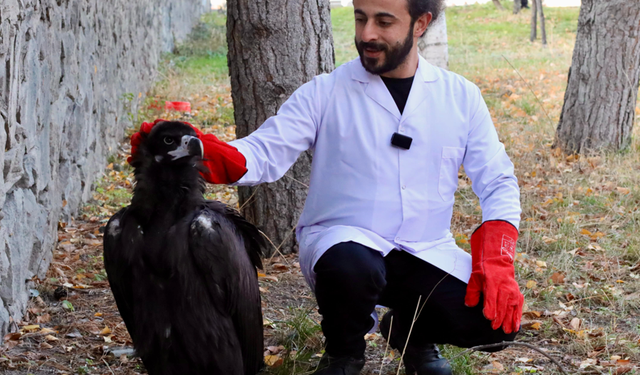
pixel 384 34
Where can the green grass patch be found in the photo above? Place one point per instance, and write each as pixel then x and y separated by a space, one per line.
pixel 342 21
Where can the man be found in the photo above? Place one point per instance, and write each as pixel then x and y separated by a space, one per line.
pixel 389 132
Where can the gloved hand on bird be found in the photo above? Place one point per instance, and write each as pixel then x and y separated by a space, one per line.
pixel 225 164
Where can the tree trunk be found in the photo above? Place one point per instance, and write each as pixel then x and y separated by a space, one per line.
pixel 433 44
pixel 517 5
pixel 543 29
pixel 498 5
pixel 274 47
pixel 534 18
pixel 602 88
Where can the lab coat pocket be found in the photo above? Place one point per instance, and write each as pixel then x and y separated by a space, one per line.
pixel 449 166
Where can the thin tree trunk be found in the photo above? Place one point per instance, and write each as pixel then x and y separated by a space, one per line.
pixel 543 29
pixel 517 5
pixel 275 46
pixel 534 18
pixel 602 89
pixel 498 5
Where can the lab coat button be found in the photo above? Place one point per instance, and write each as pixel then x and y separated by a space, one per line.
pixel 397 239
pixel 404 187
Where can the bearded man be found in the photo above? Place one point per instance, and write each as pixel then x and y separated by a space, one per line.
pixel 389 132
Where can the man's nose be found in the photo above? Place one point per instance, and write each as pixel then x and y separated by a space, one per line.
pixel 369 32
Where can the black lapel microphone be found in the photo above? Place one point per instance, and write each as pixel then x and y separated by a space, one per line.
pixel 401 141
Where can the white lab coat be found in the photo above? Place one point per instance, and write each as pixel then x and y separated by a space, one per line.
pixel 363 189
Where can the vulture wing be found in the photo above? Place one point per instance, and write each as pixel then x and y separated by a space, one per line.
pixel 226 249
pixel 118 264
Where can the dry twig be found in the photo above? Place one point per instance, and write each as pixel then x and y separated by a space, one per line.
pixel 491 346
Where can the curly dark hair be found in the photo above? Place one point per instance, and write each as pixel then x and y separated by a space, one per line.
pixel 420 7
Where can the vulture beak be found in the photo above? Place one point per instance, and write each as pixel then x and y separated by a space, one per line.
pixel 189 146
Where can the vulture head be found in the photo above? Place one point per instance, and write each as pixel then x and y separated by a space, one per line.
pixel 169 143
pixel 167 163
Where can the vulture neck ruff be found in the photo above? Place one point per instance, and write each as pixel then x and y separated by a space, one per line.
pixel 167 188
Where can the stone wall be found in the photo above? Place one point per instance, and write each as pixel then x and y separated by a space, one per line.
pixel 70 72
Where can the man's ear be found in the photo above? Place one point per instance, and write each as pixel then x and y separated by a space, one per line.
pixel 421 24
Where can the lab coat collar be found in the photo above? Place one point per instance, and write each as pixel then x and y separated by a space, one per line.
pixel 426 71
pixel 377 90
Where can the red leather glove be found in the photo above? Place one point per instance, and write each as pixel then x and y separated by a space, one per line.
pixel 493 248
pixel 224 163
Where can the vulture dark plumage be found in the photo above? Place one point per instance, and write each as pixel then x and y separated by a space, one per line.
pixel 183 269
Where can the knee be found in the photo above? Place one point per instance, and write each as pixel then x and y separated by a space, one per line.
pixel 352 266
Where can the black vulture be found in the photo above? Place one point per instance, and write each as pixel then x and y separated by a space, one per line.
pixel 183 269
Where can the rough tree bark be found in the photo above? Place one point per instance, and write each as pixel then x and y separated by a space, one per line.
pixel 498 5
pixel 602 88
pixel 274 47
pixel 433 45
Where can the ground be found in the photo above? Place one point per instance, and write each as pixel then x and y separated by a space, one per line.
pixel 578 260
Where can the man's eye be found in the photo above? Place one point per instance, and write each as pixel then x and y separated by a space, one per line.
pixel 168 140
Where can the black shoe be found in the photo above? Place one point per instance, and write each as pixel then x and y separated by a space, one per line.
pixel 330 365
pixel 417 361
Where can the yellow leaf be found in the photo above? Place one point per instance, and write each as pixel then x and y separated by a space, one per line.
pixel 531 284
pixel 531 325
pixel 105 331
pixel 32 327
pixel 51 338
pixel 586 232
pixel 273 360
pixel 541 263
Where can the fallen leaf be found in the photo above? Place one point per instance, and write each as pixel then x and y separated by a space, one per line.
pixel 105 331
pixel 575 323
pixel 51 338
pixel 532 314
pixel 32 327
pixel 273 360
pixel 280 267
pixel 541 263
pixel 557 278
pixel 531 284
pixel 44 318
pixel 585 232
pixel 533 325
pixel 623 191
pixel 13 336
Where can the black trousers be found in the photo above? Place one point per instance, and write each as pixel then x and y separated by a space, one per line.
pixel 351 279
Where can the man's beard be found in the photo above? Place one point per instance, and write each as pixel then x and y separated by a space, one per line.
pixel 393 57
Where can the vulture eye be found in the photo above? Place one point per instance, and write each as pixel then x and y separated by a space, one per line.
pixel 168 140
